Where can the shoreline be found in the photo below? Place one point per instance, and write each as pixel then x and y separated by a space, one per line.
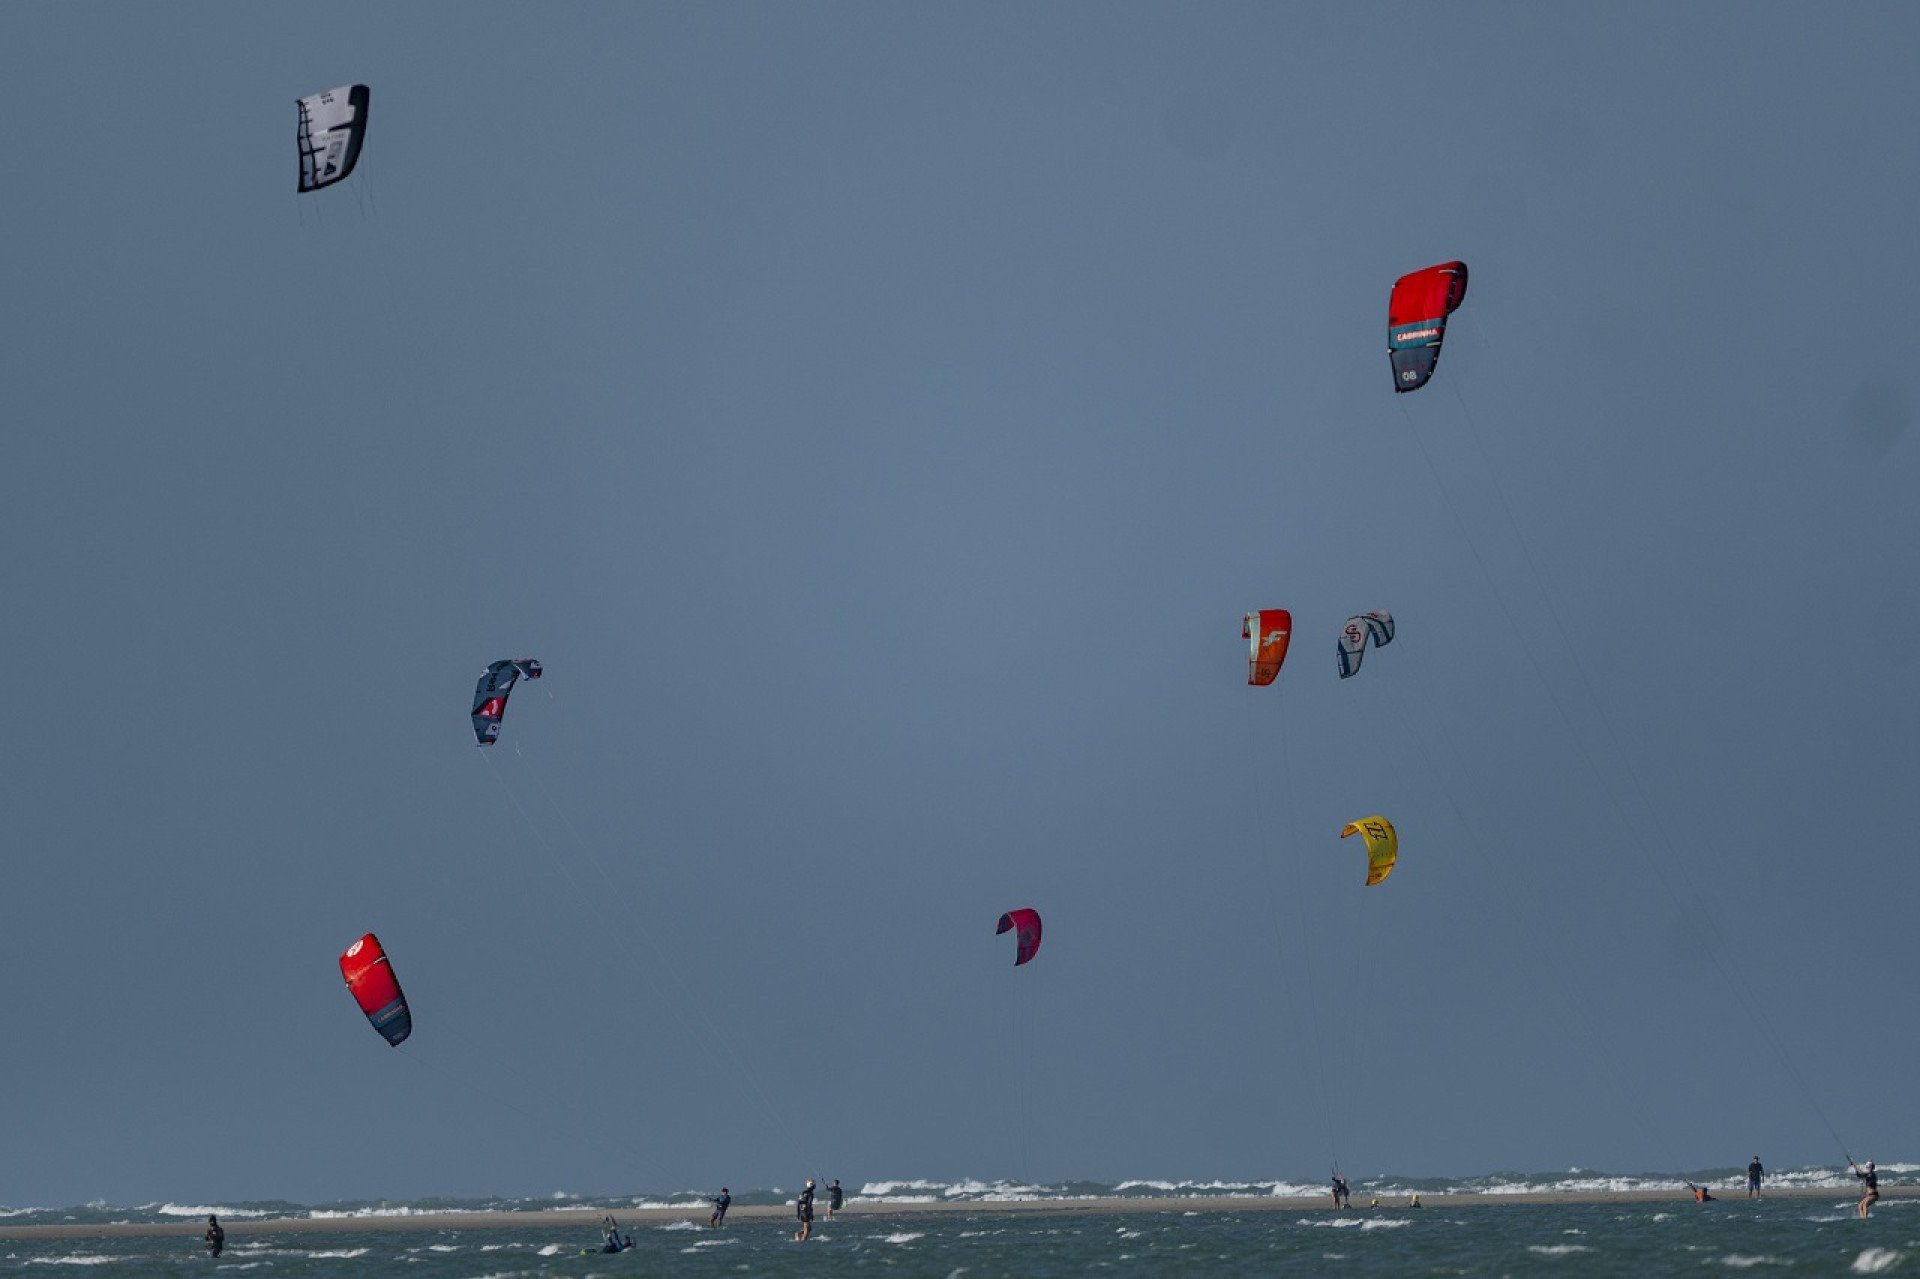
pixel 587 1220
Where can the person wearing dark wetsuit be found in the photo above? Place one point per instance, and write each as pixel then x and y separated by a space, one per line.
pixel 1340 1191
pixel 614 1243
pixel 803 1209
pixel 1869 1184
pixel 1754 1173
pixel 834 1198
pixel 720 1208
pixel 216 1236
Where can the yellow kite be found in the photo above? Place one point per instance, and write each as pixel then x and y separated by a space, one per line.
pixel 1383 846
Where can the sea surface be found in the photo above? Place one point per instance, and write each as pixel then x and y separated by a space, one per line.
pixel 1798 1236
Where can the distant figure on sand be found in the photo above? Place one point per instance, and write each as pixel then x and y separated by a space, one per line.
pixel 1339 1191
pixel 803 1208
pixel 720 1208
pixel 1754 1173
pixel 834 1198
pixel 217 1237
pixel 1700 1194
pixel 1869 1182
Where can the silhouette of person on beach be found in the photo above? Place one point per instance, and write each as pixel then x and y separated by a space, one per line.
pixel 217 1236
pixel 720 1208
pixel 1754 1173
pixel 834 1198
pixel 1869 1182
pixel 803 1209
pixel 1340 1191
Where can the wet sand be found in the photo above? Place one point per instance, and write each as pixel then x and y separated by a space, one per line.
pixel 582 1225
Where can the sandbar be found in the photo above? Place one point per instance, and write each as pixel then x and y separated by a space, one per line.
pixel 585 1222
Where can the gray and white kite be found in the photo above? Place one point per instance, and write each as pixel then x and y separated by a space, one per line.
pixel 1354 636
pixel 332 127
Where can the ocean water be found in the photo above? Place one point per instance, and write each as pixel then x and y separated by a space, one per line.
pixel 1804 1236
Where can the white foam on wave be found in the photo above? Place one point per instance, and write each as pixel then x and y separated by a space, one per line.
pixel 919 1191
pixel 203 1210
pixel 682 1225
pixel 81 1259
pixel 385 1210
pixel 904 1236
pixel 1875 1260
pixel 1557 1249
pixel 1280 1189
pixel 551 1250
pixel 1356 1223
pixel 1744 1261
pixel 895 1187
pixel 320 1253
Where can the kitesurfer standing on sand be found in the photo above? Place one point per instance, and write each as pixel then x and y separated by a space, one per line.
pixel 1754 1173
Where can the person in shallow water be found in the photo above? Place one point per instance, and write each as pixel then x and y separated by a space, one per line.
pixel 1869 1185
pixel 1340 1199
pixel 835 1197
pixel 720 1208
pixel 1754 1173
pixel 614 1243
pixel 217 1237
pixel 1700 1194
pixel 803 1209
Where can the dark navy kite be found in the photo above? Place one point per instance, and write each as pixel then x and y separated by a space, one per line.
pixel 490 695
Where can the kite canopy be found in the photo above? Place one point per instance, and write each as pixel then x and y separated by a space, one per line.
pixel 1383 846
pixel 1027 920
pixel 332 127
pixel 1266 633
pixel 375 988
pixel 490 695
pixel 1354 636
pixel 1417 320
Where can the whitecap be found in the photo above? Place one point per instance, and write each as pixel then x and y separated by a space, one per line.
pixel 1875 1260
pixel 79 1259
pixel 551 1250
pixel 1745 1261
pixel 1557 1249
pixel 904 1236
pixel 337 1252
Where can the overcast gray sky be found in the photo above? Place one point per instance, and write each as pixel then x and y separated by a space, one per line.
pixel 877 419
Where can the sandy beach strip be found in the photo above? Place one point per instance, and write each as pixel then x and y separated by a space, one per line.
pixel 584 1223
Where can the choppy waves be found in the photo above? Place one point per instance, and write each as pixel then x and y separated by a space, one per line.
pixel 908 1190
